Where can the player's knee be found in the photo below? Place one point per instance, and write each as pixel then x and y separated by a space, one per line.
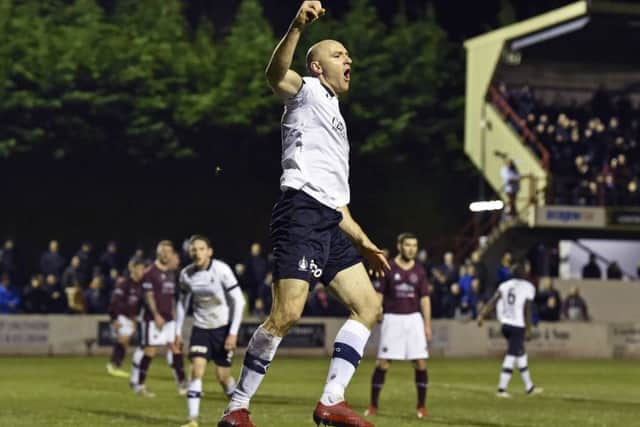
pixel 369 313
pixel 280 322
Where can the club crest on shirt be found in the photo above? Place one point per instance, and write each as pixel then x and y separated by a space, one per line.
pixel 413 278
pixel 339 126
pixel 303 265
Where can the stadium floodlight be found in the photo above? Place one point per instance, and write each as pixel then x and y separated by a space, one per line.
pixel 486 206
pixel 550 33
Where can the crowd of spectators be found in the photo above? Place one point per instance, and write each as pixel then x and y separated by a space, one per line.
pixel 84 284
pixel 460 291
pixel 593 149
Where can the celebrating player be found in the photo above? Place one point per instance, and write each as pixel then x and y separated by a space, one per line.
pixel 159 326
pixel 513 301
pixel 313 233
pixel 406 326
pixel 217 310
pixel 126 301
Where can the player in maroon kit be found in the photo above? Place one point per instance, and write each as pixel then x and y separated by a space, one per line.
pixel 126 302
pixel 158 325
pixel 406 326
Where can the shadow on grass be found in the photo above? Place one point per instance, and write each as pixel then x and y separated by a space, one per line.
pixel 130 417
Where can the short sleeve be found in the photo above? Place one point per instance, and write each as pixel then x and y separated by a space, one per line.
pixel 227 277
pixel 147 284
pixel 301 97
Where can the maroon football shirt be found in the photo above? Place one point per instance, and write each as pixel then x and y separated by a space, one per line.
pixel 163 286
pixel 403 289
pixel 126 299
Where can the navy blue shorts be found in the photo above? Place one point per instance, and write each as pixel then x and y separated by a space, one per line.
pixel 307 241
pixel 209 343
pixel 515 339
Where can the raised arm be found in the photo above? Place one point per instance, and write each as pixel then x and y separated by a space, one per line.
pixel 284 81
pixel 377 261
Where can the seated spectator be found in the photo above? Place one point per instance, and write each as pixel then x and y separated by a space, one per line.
pixel 504 271
pixel 35 297
pixel 574 306
pixel 75 299
pixel 51 262
pixel 632 198
pixel 9 298
pixel 548 301
pixel 56 297
pixel 95 297
pixel 614 272
pixel 591 270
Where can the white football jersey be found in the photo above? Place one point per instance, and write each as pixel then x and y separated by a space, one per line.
pixel 514 294
pixel 315 147
pixel 209 289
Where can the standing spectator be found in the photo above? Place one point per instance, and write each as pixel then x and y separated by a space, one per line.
pixel 109 259
pixel 480 271
pixel 86 262
pixel 423 259
pixel 548 301
pixel 511 184
pixel 614 272
pixel 35 297
pixel 9 298
pixel 95 297
pixel 451 302
pixel 257 268
pixel 72 274
pixel 51 262
pixel 591 270
pixel 56 297
pixel 264 298
pixel 504 271
pixel 9 262
pixel 449 268
pixel 575 307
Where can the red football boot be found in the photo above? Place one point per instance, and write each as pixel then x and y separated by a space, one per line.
pixel 237 418
pixel 339 415
pixel 422 412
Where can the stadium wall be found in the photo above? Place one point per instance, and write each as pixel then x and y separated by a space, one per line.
pixel 82 335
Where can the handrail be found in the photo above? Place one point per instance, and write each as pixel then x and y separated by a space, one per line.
pixel 505 108
pixel 602 258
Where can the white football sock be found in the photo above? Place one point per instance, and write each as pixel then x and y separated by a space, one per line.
pixel 134 379
pixel 507 371
pixel 523 365
pixel 347 353
pixel 260 352
pixel 193 398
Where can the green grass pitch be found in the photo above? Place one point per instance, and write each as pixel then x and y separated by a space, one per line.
pixel 69 392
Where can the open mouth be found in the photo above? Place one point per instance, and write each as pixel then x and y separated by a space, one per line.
pixel 347 74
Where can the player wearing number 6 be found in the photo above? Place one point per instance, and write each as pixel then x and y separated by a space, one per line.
pixel 513 302
pixel 313 234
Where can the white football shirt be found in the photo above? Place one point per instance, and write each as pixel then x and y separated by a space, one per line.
pixel 315 147
pixel 514 294
pixel 210 289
